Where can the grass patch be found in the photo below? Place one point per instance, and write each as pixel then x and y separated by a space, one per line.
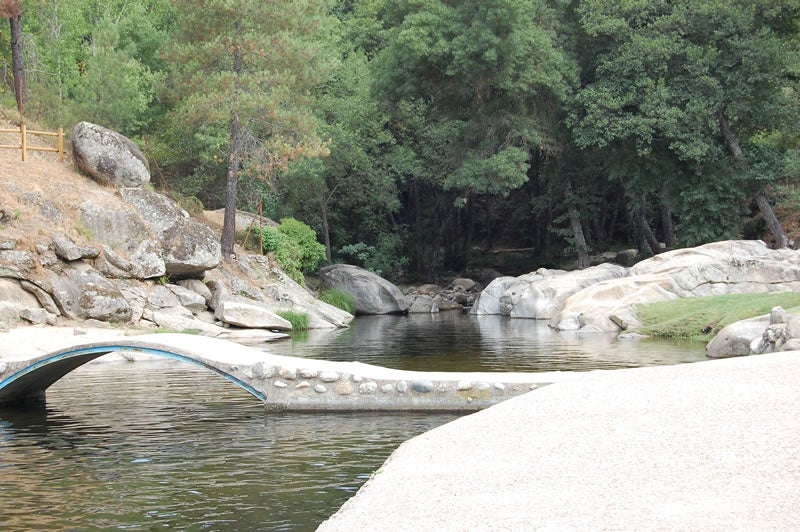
pixel 166 330
pixel 299 320
pixel 700 318
pixel 340 299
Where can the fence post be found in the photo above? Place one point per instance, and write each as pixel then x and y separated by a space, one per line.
pixel 24 143
pixel 61 144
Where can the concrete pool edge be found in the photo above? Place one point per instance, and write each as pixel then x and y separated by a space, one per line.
pixel 710 445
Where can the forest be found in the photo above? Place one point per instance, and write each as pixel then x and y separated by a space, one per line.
pixel 418 137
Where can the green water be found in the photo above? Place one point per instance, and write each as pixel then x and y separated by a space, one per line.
pixel 164 445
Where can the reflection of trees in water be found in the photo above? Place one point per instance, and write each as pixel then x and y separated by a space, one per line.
pixel 120 450
pixel 455 341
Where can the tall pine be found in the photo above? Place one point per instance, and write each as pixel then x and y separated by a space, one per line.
pixel 248 66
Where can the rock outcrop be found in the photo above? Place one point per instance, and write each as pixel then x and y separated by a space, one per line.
pixel 373 294
pixel 108 157
pixel 189 247
pixel 734 340
pixel 772 333
pixel 71 250
pixel 540 294
pixel 736 266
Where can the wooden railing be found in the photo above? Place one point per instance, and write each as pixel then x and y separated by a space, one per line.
pixel 23 132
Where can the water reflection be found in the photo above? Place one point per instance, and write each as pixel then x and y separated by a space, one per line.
pixel 163 444
pixel 454 341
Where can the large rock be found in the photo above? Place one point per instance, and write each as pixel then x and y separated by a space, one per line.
pixel 543 299
pixel 130 248
pixel 249 314
pixel 189 247
pixel 108 157
pixel 82 293
pixel 373 294
pixel 280 292
pixel 503 293
pixel 15 301
pixel 424 304
pixel 734 340
pixel 488 303
pixel 511 297
pixel 742 267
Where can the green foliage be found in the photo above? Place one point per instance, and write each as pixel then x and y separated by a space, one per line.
pixel 80 227
pixel 165 330
pixel 701 318
pixel 311 251
pixel 299 320
pixel 385 258
pixel 409 134
pixel 295 247
pixel 340 299
pixel 190 204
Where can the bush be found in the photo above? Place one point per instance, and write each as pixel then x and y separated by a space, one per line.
pixel 311 251
pixel 340 299
pixel 295 247
pixel 299 320
pixel 385 258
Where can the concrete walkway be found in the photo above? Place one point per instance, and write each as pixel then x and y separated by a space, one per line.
pixel 706 446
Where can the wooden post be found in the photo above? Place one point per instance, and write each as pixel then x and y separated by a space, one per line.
pixel 61 144
pixel 24 145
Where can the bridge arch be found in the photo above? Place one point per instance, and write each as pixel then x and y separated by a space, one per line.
pixel 29 383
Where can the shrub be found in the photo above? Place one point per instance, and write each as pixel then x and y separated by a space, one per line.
pixel 295 247
pixel 340 299
pixel 299 320
pixel 311 251
pixel 190 204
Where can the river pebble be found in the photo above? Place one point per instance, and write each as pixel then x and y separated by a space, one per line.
pixel 308 373
pixel 329 376
pixel 368 387
pixel 344 388
pixel 288 373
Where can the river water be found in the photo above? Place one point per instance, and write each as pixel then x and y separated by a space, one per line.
pixel 161 444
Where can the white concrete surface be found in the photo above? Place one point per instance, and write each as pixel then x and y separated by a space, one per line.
pixel 33 359
pixel 706 446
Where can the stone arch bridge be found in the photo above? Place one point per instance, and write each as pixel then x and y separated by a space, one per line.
pixel 282 383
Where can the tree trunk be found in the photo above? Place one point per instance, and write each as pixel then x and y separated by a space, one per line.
pixel 575 222
pixel 645 231
pixel 234 157
pixel 17 62
pixel 666 220
pixel 326 228
pixel 231 190
pixel 774 225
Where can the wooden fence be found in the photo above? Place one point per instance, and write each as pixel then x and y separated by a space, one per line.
pixel 23 132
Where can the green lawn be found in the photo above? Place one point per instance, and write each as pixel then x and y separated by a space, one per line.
pixel 700 318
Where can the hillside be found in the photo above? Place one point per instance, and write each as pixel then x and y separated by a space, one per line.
pixel 71 249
